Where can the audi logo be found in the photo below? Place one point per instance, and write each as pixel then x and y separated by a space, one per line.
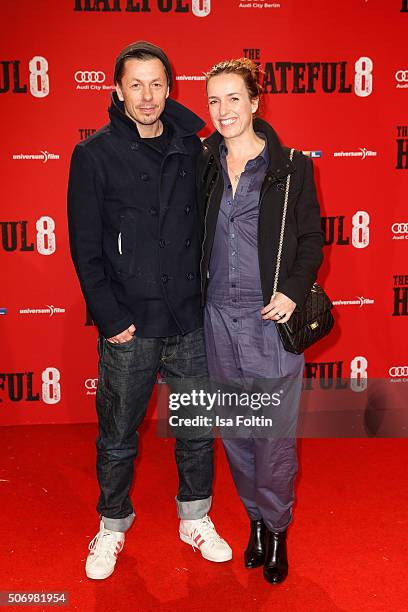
pixel 398 371
pixel 402 76
pixel 94 76
pixel 91 383
pixel 399 228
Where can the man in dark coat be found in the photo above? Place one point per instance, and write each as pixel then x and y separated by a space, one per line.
pixel 135 242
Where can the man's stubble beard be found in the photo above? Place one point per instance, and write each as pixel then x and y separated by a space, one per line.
pixel 148 121
pixel 144 120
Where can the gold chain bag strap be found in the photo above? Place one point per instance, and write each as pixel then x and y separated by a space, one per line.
pixel 313 320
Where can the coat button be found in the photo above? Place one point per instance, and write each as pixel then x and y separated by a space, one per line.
pixel 183 173
pixel 187 209
pixel 190 276
pixel 144 176
pixel 162 243
pixel 153 211
pixel 164 278
pixel 134 146
pixel 188 242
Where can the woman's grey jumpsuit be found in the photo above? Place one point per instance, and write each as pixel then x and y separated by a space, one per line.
pixel 241 346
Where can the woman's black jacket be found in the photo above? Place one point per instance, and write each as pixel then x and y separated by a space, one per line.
pixel 303 240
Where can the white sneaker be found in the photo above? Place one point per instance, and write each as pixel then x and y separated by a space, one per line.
pixel 201 534
pixel 104 550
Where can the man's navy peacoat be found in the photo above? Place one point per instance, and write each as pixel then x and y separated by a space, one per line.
pixel 133 224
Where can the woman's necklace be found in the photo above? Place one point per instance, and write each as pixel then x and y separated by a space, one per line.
pixel 235 175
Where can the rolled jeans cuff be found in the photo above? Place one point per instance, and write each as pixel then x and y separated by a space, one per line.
pixel 120 524
pixel 193 510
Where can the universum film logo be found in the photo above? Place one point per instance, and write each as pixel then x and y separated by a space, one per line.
pixel 43 156
pixel 190 77
pixel 49 310
pixel 358 301
pixel 363 153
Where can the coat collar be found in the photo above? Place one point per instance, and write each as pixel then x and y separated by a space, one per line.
pixel 279 163
pixel 182 121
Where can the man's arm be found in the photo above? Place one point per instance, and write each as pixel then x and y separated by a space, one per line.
pixel 85 199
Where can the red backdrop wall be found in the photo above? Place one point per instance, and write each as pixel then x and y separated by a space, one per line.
pixel 336 80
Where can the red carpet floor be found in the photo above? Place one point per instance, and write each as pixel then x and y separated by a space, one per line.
pixel 348 544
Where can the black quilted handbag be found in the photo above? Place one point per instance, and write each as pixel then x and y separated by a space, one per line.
pixel 313 320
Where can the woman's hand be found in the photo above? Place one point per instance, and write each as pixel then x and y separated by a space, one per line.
pixel 279 309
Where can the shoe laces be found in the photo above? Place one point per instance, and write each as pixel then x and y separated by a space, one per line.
pixel 206 530
pixel 103 542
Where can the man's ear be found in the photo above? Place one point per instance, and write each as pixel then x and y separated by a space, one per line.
pixel 119 92
pixel 168 92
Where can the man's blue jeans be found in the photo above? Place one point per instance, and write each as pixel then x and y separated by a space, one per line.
pixel 127 374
